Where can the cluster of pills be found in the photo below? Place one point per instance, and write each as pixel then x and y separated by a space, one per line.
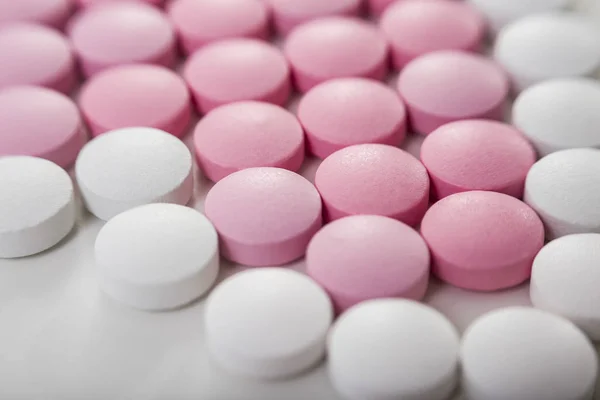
pixel 487 205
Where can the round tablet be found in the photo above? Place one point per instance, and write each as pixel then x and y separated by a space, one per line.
pixel 265 216
pixel 199 22
pixel 290 13
pixel 53 13
pixel 122 33
pixel 235 70
pixel 157 256
pixel 136 95
pixel 524 353
pixel 40 122
pixel 37 207
pixel 267 323
pixel 347 111
pixel 477 155
pixel 559 114
pixel 248 134
pixel 564 189
pixel 35 55
pixel 85 3
pixel 364 257
pixel 335 47
pixel 547 46
pixel 393 349
pixel 417 27
pixel 447 86
pixel 129 167
pixel 482 240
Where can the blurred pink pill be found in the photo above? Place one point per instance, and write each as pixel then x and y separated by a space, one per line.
pixel 482 240
pixel 40 122
pixel 35 55
pixel 235 70
pixel 248 134
pixel 290 13
pixel 347 111
pixel 377 7
pixel 373 179
pixel 53 13
pixel 335 47
pixel 136 95
pixel 417 27
pixel 447 86
pixel 199 22
pixel 94 2
pixel 477 155
pixel 264 216
pixel 365 257
pixel 122 33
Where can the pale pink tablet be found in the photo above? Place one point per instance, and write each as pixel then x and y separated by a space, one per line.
pixel 477 155
pixel 264 216
pixel 35 55
pixel 290 13
pixel 482 240
pixel 235 70
pixel 248 134
pixel 373 179
pixel 53 13
pixel 417 27
pixel 199 22
pixel 364 257
pixel 347 111
pixel 446 86
pixel 136 95
pixel 85 3
pixel 122 33
pixel 335 47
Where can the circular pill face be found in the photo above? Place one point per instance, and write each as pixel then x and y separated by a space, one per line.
pixel 415 356
pixel 248 134
pixel 40 122
pixel 53 13
pixel 477 155
pixel 136 95
pixel 373 179
pixel 335 47
pixel 85 3
pixel 129 167
pixel 157 256
pixel 447 86
pixel 347 111
pixel 482 240
pixel 512 353
pixel 291 13
pixel 267 323
pixel 37 208
pixel 364 257
pixel 235 70
pixel 264 216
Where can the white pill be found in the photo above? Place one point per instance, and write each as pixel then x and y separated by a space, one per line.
pixel 559 114
pixel 129 167
pixel 157 256
pixel 267 323
pixel 393 349
pixel 564 189
pixel 527 354
pixel 565 280
pixel 548 46
pixel 37 208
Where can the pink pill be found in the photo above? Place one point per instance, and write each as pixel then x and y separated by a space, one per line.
pixel 40 122
pixel 347 111
pixel 264 216
pixel 482 240
pixel 248 134
pixel 53 13
pixel 136 95
pixel 235 70
pixel 373 179
pixel 447 86
pixel 85 3
pixel 477 155
pixel 336 47
pixel 417 27
pixel 365 257
pixel 35 55
pixel 199 22
pixel 122 33
pixel 290 13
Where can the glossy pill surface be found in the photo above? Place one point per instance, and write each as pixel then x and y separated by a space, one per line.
pixel 288 14
pixel 53 13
